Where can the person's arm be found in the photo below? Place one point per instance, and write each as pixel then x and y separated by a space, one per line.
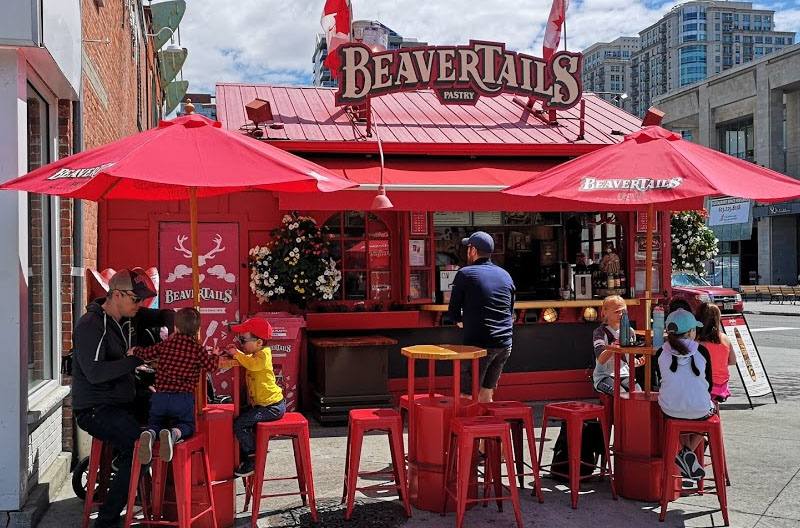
pixel 147 354
pixel 208 361
pixel 731 353
pixel 709 379
pixel 513 299
pixel 600 343
pixel 456 298
pixel 90 351
pixel 257 361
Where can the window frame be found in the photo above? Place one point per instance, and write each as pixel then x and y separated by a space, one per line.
pixel 51 379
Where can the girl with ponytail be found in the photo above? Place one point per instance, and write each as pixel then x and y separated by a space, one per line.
pixel 685 369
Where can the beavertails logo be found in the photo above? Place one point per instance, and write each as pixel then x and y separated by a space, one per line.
pixel 636 184
pixel 90 172
pixel 459 74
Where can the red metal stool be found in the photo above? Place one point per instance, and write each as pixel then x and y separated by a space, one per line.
pixel 361 421
pixel 99 477
pixel 295 426
pixel 465 432
pixel 672 431
pixel 188 507
pixel 519 416
pixel 575 413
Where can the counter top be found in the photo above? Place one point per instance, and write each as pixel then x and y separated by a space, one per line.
pixel 529 305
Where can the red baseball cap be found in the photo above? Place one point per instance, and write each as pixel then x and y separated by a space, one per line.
pixel 256 326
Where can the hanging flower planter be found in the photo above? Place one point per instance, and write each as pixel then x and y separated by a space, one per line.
pixel 295 265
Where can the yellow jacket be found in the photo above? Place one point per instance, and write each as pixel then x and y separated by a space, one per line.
pixel 260 377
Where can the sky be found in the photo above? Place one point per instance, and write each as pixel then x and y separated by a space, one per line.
pixel 272 41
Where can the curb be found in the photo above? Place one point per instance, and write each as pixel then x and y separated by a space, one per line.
pixel 759 312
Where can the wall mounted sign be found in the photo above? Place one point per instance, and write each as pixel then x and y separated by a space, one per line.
pixel 727 211
pixel 452 218
pixel 419 223
pixel 459 74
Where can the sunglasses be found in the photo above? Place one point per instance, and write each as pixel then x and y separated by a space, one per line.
pixel 247 339
pixel 129 293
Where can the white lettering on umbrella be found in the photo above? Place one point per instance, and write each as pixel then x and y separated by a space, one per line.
pixel 90 172
pixel 636 184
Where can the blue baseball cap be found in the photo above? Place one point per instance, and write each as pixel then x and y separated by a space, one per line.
pixel 480 240
pixel 681 321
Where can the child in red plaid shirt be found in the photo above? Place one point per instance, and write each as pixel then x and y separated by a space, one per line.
pixel 181 360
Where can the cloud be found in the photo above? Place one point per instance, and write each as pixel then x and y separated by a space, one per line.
pixel 271 41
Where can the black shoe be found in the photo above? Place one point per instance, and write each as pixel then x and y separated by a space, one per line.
pixel 696 470
pixel 680 461
pixel 246 468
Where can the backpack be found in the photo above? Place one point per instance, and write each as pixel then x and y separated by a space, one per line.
pixel 592 446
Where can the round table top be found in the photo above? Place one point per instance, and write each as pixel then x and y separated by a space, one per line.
pixel 443 352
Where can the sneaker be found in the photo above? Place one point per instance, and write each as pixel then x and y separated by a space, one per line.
pixel 246 468
pixel 696 470
pixel 680 461
pixel 145 453
pixel 166 443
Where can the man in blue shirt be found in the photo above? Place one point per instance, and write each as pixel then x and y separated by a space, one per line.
pixel 482 303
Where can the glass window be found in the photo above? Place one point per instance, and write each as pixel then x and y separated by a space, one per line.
pixel 361 246
pixel 41 242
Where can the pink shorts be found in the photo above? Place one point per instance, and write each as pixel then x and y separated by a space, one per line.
pixel 720 392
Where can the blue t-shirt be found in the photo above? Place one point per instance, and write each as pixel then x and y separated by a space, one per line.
pixel 484 293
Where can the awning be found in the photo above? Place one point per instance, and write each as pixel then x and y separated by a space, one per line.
pixel 427 184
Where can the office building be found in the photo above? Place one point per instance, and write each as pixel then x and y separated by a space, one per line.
pixel 752 112
pixel 697 39
pixel 606 70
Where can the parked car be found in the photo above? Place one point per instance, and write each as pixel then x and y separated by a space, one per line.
pixel 689 290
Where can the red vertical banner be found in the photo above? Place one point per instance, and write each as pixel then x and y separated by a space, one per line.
pixel 218 245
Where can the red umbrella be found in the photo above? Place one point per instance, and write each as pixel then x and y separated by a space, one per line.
pixel 186 157
pixel 654 168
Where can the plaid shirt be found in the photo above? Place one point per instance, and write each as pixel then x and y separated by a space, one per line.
pixel 181 359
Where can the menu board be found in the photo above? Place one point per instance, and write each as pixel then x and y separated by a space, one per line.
pixel 452 218
pixel 748 361
pixel 487 218
pixel 419 223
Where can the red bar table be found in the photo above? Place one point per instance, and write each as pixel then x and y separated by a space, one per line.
pixel 638 424
pixel 426 464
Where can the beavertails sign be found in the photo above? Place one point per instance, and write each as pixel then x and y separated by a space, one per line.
pixel 459 74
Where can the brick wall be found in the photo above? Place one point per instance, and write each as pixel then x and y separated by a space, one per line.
pixel 116 104
pixel 44 445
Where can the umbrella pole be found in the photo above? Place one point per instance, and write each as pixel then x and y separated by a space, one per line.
pixel 648 302
pixel 195 264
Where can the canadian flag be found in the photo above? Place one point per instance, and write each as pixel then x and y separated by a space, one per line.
pixel 335 23
pixel 552 33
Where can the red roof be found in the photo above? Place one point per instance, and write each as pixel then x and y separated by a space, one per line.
pixel 417 123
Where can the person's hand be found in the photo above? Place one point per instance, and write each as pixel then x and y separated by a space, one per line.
pixel 231 350
pixel 460 324
pixel 131 351
pixel 639 361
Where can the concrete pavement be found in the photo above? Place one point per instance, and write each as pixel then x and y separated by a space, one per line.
pixel 764 308
pixel 762 446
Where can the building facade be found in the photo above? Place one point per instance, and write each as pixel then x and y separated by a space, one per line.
pixel 606 70
pixel 74 74
pixel 371 30
pixel 204 104
pixel 697 39
pixel 751 111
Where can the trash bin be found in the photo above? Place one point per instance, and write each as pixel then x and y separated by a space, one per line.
pixel 285 344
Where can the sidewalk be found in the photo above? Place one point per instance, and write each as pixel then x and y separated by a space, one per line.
pixel 765 308
pixel 762 446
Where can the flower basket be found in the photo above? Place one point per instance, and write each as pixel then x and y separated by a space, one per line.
pixel 295 265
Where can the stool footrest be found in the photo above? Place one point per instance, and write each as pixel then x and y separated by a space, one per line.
pixel 372 473
pixel 379 487
pixel 288 494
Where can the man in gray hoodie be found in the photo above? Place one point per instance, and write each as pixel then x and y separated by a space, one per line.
pixel 103 383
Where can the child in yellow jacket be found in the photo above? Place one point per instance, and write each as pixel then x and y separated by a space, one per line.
pixel 266 398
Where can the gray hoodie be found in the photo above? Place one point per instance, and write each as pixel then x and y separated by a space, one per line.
pixel 685 381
